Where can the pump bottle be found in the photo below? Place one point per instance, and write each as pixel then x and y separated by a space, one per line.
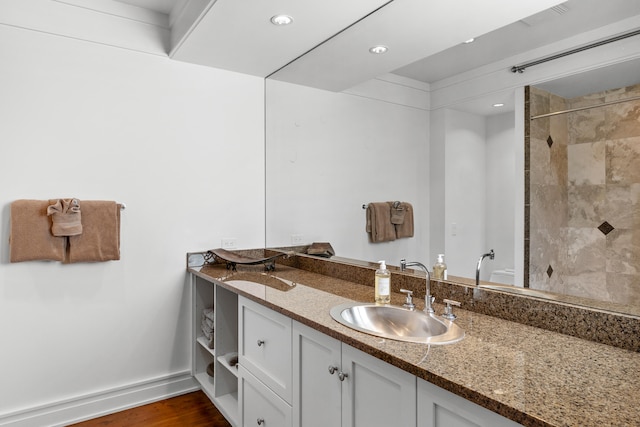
pixel 440 269
pixel 383 284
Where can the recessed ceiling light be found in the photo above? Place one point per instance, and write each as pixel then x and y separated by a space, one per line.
pixel 499 104
pixel 469 41
pixel 378 49
pixel 281 20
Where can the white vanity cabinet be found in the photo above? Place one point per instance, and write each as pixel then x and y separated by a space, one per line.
pixel 290 375
pixel 265 358
pixel 439 408
pixel 259 405
pixel 338 385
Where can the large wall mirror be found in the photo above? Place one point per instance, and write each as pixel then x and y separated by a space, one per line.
pixel 460 162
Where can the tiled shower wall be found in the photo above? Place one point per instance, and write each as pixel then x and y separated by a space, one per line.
pixel 584 196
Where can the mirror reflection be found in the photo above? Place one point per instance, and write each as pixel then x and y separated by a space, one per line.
pixel 460 162
pixel 584 186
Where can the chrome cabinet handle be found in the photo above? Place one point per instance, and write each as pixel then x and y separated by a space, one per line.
pixel 260 421
pixel 342 375
pixel 332 369
pixel 260 343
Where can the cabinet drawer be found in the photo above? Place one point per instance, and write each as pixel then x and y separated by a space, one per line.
pixel 265 346
pixel 259 406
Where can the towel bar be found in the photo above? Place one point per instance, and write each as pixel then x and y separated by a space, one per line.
pixel 395 205
pixel 122 206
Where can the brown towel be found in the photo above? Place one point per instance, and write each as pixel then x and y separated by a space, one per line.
pixel 31 238
pixel 406 228
pixel 100 238
pixel 66 217
pixel 379 224
pixel 397 212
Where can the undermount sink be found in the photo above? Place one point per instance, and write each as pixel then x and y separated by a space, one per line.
pixel 397 323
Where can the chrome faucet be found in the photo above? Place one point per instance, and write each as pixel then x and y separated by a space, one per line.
pixel 491 255
pixel 428 299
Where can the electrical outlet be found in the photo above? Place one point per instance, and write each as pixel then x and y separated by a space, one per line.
pixel 296 239
pixel 228 243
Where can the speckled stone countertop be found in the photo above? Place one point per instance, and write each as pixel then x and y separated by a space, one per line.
pixel 530 375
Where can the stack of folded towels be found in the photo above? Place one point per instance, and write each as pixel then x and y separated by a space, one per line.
pixel 208 325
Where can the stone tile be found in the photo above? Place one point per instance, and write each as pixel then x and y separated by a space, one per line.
pixel 539 102
pixel 623 252
pixel 623 161
pixel 548 206
pixel 588 285
pixel 540 162
pixel 585 251
pixel 587 163
pixel 623 119
pixel 587 205
pixel 622 206
pixel 624 288
pixel 558 163
pixel 586 125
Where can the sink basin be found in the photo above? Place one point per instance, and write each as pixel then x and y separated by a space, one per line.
pixel 397 323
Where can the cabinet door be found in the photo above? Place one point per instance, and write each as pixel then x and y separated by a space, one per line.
pixel 375 393
pixel 265 346
pixel 439 408
pixel 259 406
pixel 316 391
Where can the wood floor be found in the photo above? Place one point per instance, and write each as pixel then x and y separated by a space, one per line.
pixel 189 410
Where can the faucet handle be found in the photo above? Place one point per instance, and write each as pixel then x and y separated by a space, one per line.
pixel 448 310
pixel 408 304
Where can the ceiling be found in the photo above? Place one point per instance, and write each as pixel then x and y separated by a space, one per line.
pixel 162 6
pixel 556 23
pixel 323 49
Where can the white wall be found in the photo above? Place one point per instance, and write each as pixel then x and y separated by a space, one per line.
pixel 475 188
pixel 500 193
pixel 181 145
pixel 330 153
pixel 464 196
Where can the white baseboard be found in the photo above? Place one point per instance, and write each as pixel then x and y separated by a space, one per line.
pixel 98 404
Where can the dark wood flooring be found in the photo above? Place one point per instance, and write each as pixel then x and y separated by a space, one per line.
pixel 189 410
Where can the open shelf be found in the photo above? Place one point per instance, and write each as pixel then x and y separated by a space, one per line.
pixel 228 405
pixel 224 361
pixel 202 340
pixel 222 388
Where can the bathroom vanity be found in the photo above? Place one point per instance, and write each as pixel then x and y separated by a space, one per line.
pixel 299 367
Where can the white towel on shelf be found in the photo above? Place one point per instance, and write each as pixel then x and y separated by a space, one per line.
pixel 208 313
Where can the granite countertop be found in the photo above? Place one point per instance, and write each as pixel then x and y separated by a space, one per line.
pixel 529 375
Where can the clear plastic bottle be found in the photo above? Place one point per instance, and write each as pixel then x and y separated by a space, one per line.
pixel 383 284
pixel 440 269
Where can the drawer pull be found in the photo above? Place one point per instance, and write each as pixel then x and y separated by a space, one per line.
pixel 260 421
pixel 260 343
pixel 342 375
pixel 332 369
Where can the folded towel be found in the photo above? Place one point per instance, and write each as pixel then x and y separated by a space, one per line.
pixel 207 322
pixel 397 212
pixel 208 313
pixel 323 249
pixel 100 238
pixel 30 236
pixel 405 229
pixel 206 329
pixel 208 334
pixel 66 217
pixel 379 224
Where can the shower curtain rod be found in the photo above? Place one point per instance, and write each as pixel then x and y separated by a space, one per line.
pixel 604 104
pixel 521 68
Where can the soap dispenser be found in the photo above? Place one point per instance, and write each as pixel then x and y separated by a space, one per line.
pixel 440 269
pixel 383 284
